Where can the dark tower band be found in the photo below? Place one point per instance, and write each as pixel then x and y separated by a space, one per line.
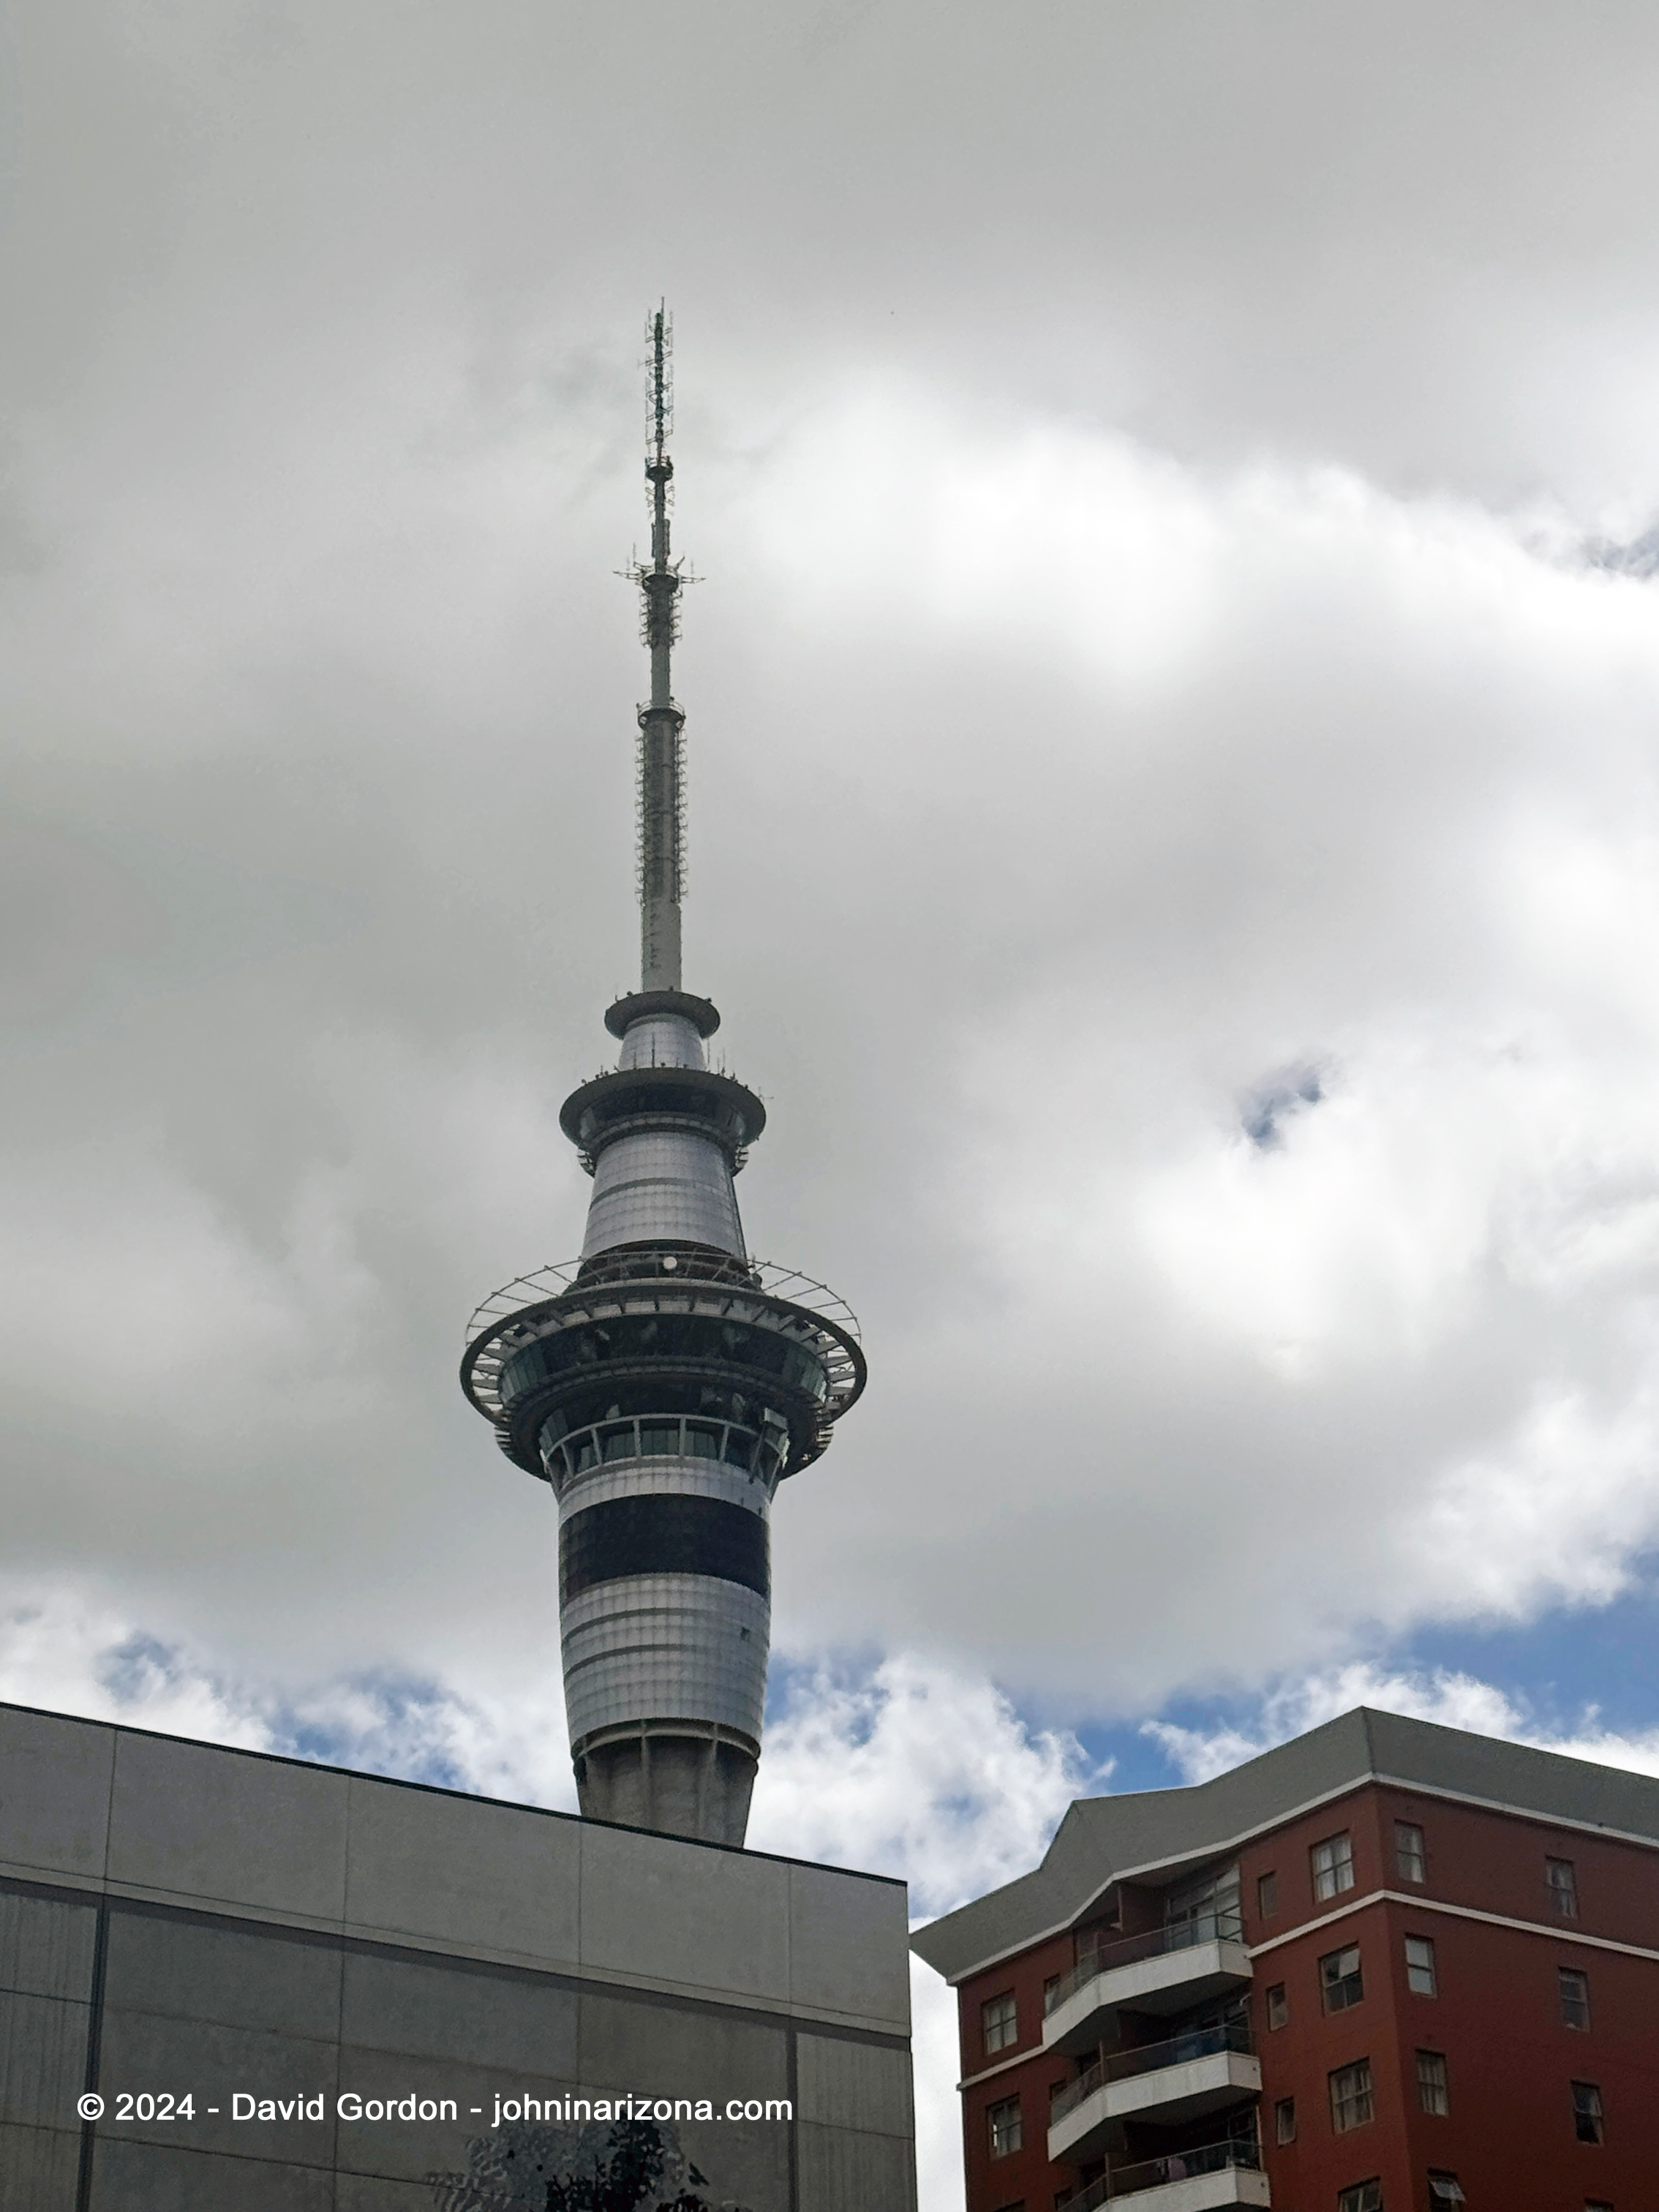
pixel 664 1383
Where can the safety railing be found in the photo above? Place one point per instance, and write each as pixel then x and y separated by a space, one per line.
pixel 1151 2058
pixel 1204 1928
pixel 1157 2172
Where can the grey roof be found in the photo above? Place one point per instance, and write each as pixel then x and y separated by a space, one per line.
pixel 1101 1839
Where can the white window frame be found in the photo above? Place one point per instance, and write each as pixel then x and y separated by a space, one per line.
pixel 1407 1860
pixel 1011 2022
pixel 1365 2095
pixel 1330 1861
pixel 1017 2126
pixel 1422 1966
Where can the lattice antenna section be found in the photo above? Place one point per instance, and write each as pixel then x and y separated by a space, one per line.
pixel 661 780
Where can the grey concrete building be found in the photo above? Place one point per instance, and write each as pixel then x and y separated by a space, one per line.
pixel 180 1920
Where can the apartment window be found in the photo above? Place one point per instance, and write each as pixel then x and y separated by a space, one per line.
pixel 1006 2133
pixel 998 2022
pixel 1340 1982
pixel 1574 1996
pixel 1445 2192
pixel 1204 1910
pixel 1284 2120
pixel 1333 1865
pixel 1364 2197
pixel 1267 1896
pixel 1277 2010
pixel 1432 2093
pixel 1049 1989
pixel 1350 2096
pixel 1419 1966
pixel 1563 1884
pixel 1408 1854
pixel 1588 2120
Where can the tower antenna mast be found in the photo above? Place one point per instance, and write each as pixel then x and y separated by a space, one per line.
pixel 662 747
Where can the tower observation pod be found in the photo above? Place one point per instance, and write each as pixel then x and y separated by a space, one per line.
pixel 664 1383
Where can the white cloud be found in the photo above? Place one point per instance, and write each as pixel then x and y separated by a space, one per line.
pixel 913 1769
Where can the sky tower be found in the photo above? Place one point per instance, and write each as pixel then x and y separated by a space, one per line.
pixel 665 1382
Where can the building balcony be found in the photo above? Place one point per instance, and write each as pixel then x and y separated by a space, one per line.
pixel 1171 1970
pixel 1202 2071
pixel 1193 2181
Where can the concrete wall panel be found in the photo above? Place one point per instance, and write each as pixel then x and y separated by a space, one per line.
pixel 54 1792
pixel 46 1946
pixel 43 2060
pixel 39 2168
pixel 702 1919
pixel 627 2046
pixel 460 1871
pixel 408 2150
pixel 444 2010
pixel 191 1819
pixel 746 2163
pixel 139 2177
pixel 841 2167
pixel 854 2085
pixel 281 1983
pixel 848 1946
pixel 146 2051
pixel 373 2192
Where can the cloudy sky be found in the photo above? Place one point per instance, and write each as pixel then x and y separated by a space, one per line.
pixel 1174 725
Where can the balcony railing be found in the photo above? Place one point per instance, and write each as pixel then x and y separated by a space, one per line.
pixel 1148 2058
pixel 1175 2166
pixel 1206 1928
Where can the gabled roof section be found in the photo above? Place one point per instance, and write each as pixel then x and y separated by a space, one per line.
pixel 1154 1834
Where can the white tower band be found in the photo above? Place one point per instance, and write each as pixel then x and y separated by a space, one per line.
pixel 664 1383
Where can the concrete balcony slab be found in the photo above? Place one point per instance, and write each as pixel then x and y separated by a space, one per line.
pixel 1199 2192
pixel 1169 2093
pixel 1165 1981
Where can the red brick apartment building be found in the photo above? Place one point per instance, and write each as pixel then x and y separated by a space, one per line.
pixel 1387 1968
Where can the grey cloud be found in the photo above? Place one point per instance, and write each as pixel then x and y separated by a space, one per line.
pixel 1110 684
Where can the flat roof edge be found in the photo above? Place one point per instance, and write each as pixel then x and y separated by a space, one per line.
pixel 442 1789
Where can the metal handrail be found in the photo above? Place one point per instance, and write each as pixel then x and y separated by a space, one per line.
pixel 1148 2058
pixel 1211 1928
pixel 1157 2172
pixel 768 1275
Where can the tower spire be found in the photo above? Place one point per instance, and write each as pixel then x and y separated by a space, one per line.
pixel 662 758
